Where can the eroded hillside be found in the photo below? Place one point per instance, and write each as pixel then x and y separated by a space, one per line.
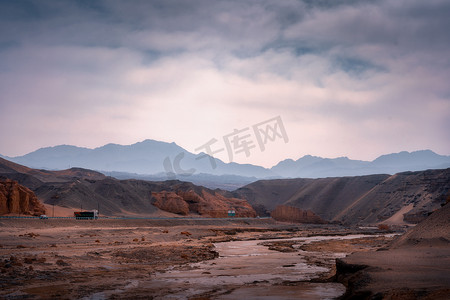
pixel 86 189
pixel 360 199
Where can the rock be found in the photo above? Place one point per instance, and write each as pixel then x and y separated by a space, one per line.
pixel 60 262
pixel 171 202
pixel 29 260
pixel 17 199
pixel 217 206
pixel 31 234
pixel 345 268
pixel 203 202
pixel 293 214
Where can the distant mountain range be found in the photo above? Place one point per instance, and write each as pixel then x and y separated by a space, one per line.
pixel 317 167
pixel 155 160
pixel 149 157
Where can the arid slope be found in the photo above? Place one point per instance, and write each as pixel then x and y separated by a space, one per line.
pixel 415 266
pixel 86 189
pixel 361 199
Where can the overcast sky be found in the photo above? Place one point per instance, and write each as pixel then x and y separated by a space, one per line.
pixel 350 78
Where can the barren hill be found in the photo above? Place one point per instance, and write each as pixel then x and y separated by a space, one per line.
pixel 86 189
pixel 33 178
pixel 360 199
pixel 415 266
pixel 434 230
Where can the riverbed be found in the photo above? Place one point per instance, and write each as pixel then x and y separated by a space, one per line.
pixel 139 260
pixel 249 269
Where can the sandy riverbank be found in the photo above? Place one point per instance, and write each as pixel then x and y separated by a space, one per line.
pixel 414 266
pixel 417 273
pixel 70 259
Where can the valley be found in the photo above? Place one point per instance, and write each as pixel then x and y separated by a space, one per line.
pixel 133 259
pixel 287 238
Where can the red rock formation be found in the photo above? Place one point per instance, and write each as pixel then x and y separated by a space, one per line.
pixel 206 204
pixel 218 206
pixel 17 199
pixel 293 214
pixel 171 202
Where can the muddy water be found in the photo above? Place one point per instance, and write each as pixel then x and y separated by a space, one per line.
pixel 244 270
pixel 249 269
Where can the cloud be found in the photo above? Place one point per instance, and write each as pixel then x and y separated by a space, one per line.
pixel 353 78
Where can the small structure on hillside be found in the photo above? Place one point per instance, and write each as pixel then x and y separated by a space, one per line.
pixel 231 213
pixel 86 215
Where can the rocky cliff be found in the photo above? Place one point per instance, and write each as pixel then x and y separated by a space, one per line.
pixel 293 214
pixel 17 199
pixel 205 203
pixel 171 202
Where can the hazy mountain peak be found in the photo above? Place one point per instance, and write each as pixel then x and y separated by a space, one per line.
pixel 415 157
pixel 109 146
pixel 286 161
pixel 149 142
pixel 310 166
pixel 59 150
pixel 153 144
pixel 150 157
pixel 308 157
pixel 425 152
pixel 60 147
pixel 342 158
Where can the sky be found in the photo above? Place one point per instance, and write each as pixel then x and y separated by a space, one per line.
pixel 341 78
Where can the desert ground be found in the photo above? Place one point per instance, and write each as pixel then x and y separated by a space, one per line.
pixel 174 259
pixel 415 265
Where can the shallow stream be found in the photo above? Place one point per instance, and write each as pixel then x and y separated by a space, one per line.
pixel 249 269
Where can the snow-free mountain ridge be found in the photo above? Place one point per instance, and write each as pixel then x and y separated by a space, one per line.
pixel 168 160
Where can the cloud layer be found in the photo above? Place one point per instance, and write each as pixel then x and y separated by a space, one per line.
pixel 355 78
